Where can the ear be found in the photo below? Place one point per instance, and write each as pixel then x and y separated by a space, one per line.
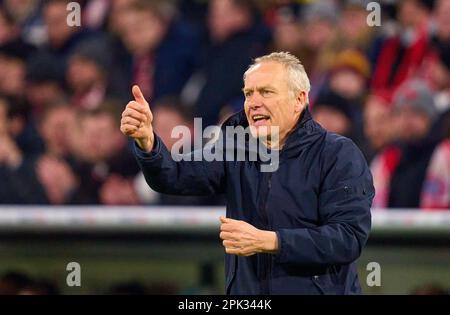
pixel 300 101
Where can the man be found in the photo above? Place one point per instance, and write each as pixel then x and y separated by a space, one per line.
pixel 162 47
pixel 399 171
pixel 296 230
pixel 235 35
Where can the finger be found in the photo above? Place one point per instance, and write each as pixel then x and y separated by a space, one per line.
pixel 226 227
pixel 138 96
pixel 135 106
pixel 232 251
pixel 128 120
pixel 229 244
pixel 224 219
pixel 143 109
pixel 230 220
pixel 128 129
pixel 227 236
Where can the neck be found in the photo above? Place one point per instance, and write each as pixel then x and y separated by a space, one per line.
pixel 278 142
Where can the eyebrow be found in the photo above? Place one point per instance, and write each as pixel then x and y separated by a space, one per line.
pixel 265 87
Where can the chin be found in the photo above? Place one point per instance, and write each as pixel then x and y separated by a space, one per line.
pixel 260 131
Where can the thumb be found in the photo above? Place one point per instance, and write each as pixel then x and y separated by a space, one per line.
pixel 138 96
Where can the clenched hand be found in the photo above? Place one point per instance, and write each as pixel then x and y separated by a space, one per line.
pixel 243 239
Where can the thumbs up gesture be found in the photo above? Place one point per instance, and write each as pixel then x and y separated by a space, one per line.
pixel 137 120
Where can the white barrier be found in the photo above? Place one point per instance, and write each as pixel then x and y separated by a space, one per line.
pixel 156 217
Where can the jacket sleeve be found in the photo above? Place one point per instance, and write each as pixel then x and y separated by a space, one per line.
pixel 185 177
pixel 344 203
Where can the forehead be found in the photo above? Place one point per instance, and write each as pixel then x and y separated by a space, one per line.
pixel 265 73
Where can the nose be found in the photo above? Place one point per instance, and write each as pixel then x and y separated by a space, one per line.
pixel 254 101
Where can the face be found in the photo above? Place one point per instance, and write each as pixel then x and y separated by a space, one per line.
pixel 12 81
pixel 82 74
pixel 224 18
pixel 332 120
pixel 142 31
pixel 409 13
pixel 99 137
pixel 347 83
pixel 439 75
pixel 269 101
pixel 39 94
pixel 412 124
pixel 319 33
pixel 287 36
pixel 55 17
pixel 118 14
pixel 353 23
pixel 6 30
pixel 378 125
pixel 165 120
pixel 442 12
pixel 56 128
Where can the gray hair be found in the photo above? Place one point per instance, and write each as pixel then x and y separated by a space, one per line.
pixel 297 78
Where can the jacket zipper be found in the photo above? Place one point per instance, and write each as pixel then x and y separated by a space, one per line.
pixel 269 256
pixel 267 259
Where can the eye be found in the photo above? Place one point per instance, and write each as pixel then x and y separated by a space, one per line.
pixel 248 93
pixel 266 92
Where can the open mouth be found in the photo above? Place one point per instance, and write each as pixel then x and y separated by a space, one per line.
pixel 259 119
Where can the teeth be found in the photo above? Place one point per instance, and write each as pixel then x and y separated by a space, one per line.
pixel 256 117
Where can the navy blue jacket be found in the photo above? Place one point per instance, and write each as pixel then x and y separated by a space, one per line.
pixel 318 202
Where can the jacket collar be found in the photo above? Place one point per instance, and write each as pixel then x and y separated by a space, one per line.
pixel 305 132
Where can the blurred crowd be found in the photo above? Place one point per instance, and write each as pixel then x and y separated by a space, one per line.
pixel 63 88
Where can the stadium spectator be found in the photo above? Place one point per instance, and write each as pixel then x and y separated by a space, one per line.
pixel 399 171
pixel 87 74
pixel 102 158
pixel 317 54
pixel 45 83
pixel 163 48
pixel 333 113
pixel 287 29
pixel 13 60
pixel 441 32
pixel 55 128
pixel 435 70
pixel 47 178
pixel 354 31
pixel 61 37
pixel 379 127
pixel 235 36
pixel 402 54
pixel 436 188
pixel 8 29
pixel 168 114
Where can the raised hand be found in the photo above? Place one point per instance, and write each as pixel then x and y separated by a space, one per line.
pixel 137 120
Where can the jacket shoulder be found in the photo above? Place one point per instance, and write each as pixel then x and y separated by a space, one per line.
pixel 338 145
pixel 236 119
pixel 341 159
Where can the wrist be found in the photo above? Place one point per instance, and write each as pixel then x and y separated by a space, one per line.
pixel 269 242
pixel 146 144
